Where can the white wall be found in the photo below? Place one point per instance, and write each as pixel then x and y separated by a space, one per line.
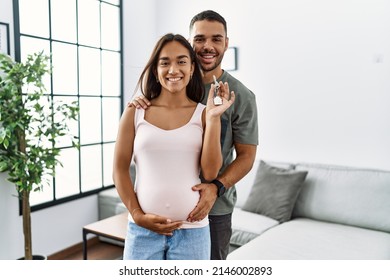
pixel 320 71
pixel 53 229
pixel 139 36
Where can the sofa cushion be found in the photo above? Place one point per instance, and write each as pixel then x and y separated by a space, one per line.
pixel 120 208
pixel 305 239
pixel 246 226
pixel 244 186
pixel 107 201
pixel 274 191
pixel 352 196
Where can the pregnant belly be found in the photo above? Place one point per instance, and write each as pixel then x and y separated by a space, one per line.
pixel 171 202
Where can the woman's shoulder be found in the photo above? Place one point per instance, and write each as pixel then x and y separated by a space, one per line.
pixel 200 106
pixel 201 109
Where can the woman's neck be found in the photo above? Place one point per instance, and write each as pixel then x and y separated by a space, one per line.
pixel 173 100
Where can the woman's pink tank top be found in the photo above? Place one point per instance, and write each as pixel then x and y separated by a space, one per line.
pixel 168 166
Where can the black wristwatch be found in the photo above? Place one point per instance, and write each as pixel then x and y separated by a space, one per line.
pixel 220 186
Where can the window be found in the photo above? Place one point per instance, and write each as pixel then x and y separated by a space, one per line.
pixel 84 40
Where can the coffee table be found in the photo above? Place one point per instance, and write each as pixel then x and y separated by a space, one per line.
pixel 114 227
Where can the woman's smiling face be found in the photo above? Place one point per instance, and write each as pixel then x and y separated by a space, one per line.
pixel 174 67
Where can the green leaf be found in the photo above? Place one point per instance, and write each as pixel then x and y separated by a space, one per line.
pixel 3 166
pixel 6 143
pixel 3 134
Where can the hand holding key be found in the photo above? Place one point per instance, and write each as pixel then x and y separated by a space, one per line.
pixel 219 99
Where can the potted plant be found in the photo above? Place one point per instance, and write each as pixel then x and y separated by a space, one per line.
pixel 30 125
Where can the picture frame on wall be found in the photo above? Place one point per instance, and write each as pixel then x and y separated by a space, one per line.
pixel 4 38
pixel 229 62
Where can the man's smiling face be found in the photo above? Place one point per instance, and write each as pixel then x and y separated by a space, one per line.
pixel 209 41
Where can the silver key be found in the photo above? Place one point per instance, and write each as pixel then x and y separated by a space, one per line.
pixel 217 98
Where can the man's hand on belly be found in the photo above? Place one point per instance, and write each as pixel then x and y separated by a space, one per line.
pixel 208 195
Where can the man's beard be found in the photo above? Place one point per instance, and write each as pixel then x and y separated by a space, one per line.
pixel 211 68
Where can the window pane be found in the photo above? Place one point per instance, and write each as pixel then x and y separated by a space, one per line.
pixel 64 68
pixel 108 158
pixel 110 27
pixel 66 141
pixel 90 120
pixel 115 2
pixel 89 67
pixel 89 23
pixel 111 115
pixel 63 20
pixel 83 38
pixel 111 74
pixel 30 46
pixel 67 176
pixel 34 17
pixel 91 167
pixel 45 194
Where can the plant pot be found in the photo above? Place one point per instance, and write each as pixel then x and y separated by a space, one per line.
pixel 36 258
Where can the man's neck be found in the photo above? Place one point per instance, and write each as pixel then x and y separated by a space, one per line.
pixel 208 75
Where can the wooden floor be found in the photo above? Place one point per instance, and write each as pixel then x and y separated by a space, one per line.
pixel 97 250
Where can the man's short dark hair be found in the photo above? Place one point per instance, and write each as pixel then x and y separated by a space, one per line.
pixel 210 16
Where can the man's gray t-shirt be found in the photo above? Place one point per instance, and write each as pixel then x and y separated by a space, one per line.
pixel 238 125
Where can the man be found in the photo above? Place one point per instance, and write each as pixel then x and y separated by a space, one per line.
pixel 239 131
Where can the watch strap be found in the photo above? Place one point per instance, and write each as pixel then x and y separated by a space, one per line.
pixel 220 186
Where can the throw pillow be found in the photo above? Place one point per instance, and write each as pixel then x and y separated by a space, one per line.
pixel 275 192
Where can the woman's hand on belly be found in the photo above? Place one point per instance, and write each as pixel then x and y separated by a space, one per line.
pixel 156 223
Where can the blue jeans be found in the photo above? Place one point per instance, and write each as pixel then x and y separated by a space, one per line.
pixel 184 244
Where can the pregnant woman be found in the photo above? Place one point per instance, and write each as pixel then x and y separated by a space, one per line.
pixel 173 143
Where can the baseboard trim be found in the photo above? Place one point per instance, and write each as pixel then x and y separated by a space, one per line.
pixel 73 249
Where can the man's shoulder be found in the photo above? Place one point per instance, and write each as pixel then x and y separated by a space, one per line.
pixel 236 85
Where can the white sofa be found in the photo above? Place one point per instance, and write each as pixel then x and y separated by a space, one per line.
pixel 340 213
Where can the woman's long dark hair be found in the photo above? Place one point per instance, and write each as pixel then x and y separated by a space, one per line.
pixel 148 83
